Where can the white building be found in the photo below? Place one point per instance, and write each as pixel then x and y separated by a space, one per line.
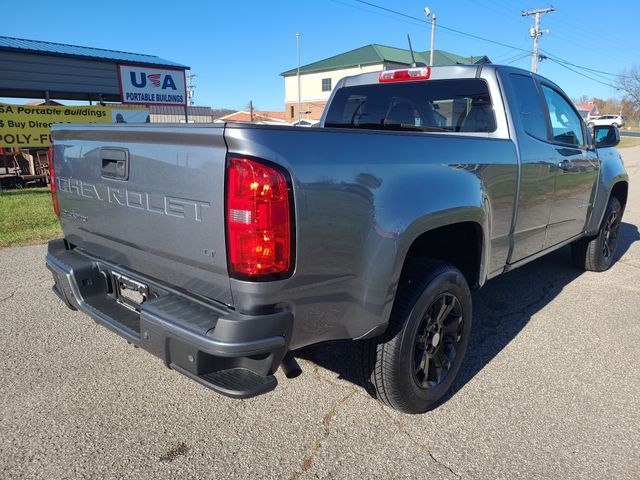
pixel 318 79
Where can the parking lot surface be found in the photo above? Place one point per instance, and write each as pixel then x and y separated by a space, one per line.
pixel 550 388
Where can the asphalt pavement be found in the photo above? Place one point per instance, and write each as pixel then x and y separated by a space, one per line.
pixel 550 389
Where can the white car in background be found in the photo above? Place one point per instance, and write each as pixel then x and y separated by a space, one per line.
pixel 614 120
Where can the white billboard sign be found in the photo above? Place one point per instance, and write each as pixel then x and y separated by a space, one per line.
pixel 152 86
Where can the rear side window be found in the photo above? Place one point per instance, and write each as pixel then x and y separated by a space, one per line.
pixel 434 106
pixel 565 122
pixel 529 106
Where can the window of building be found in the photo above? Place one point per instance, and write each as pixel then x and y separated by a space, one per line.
pixel 326 84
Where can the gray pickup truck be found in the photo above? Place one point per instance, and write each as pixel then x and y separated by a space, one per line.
pixel 223 248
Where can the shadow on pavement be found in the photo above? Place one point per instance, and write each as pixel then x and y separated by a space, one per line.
pixel 628 236
pixel 502 308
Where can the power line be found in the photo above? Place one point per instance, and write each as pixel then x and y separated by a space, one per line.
pixel 490 6
pixel 557 28
pixel 582 67
pixel 562 64
pixel 509 53
pixel 565 32
pixel 460 32
pixel 552 57
pixel 517 58
pixel 391 11
pixel 571 29
pixel 605 37
pixel 417 21
pixel 507 59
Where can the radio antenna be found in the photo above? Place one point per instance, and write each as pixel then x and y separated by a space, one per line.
pixel 413 59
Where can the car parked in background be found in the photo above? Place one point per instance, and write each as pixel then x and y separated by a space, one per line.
pixel 613 120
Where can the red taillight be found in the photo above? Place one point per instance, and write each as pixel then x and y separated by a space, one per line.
pixel 258 220
pixel 419 73
pixel 52 182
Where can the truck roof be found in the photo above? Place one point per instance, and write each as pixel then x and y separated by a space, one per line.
pixel 437 73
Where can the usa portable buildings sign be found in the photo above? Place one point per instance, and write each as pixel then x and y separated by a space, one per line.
pixel 152 86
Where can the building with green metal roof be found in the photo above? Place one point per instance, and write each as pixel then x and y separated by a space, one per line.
pixel 317 79
pixel 376 54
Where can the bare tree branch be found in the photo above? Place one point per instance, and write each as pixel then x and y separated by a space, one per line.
pixel 629 83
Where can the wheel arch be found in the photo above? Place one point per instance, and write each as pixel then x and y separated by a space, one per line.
pixel 461 244
pixel 620 190
pixel 613 180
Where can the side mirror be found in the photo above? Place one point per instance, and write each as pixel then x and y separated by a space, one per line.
pixel 606 136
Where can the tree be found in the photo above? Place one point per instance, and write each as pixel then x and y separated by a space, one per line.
pixel 582 100
pixel 608 107
pixel 629 82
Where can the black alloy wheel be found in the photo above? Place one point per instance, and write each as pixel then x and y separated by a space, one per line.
pixel 598 253
pixel 610 234
pixel 437 341
pixel 412 366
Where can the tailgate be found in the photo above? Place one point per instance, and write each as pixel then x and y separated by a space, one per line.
pixel 149 198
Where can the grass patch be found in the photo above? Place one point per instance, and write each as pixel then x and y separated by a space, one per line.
pixel 626 142
pixel 27 217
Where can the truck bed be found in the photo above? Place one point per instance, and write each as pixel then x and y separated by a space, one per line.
pixel 356 193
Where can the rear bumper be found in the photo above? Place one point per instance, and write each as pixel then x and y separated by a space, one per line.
pixel 231 353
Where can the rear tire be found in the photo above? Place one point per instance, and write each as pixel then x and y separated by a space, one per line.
pixel 597 254
pixel 412 366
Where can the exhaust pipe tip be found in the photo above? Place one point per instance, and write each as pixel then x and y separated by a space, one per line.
pixel 290 366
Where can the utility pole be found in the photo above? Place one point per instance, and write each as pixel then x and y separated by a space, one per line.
pixel 251 110
pixel 299 102
pixel 535 33
pixel 190 87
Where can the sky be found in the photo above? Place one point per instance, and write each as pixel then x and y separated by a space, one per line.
pixel 238 48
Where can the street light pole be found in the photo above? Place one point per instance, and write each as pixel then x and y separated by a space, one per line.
pixel 427 13
pixel 433 37
pixel 298 48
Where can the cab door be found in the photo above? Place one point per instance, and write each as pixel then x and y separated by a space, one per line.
pixel 537 165
pixel 576 168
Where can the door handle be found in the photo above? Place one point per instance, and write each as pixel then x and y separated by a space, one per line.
pixel 114 163
pixel 565 165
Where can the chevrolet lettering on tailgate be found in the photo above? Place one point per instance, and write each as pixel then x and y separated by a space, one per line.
pixel 151 202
